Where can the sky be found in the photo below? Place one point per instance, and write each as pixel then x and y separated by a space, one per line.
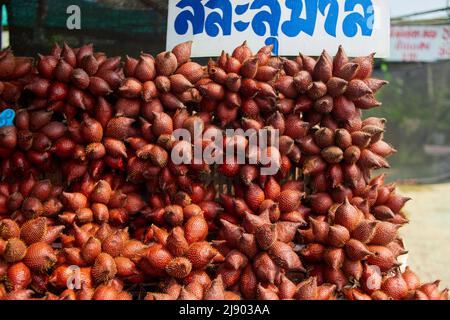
pixel 402 7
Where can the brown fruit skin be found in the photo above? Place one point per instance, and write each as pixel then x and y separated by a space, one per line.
pixel 365 231
pixel 33 230
pixel 15 250
pixel 338 236
pixel 176 242
pixel 285 257
pixel 385 233
pixel 182 52
pixel 395 287
pixel 19 295
pixel 266 235
pixel 411 279
pixel 248 283
pixel 105 292
pixel 32 207
pixel 19 276
pixel 356 250
pixel 74 201
pixel 215 291
pixel 307 289
pixel 166 63
pixel 158 257
pixel 104 268
pixel 265 268
pixel 113 244
pixel 352 269
pixel 192 71
pixel 196 229
pixel 40 257
pixel 382 257
pixel 254 196
pixel 9 229
pixel 230 277
pixel 289 200
pixel 200 254
pixel 347 216
pixel 179 267
pixel 145 69
pixel 91 249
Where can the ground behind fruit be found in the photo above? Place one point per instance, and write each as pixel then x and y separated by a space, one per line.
pixel 427 236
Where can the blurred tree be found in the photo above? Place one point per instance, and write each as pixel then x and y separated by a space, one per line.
pixel 416 104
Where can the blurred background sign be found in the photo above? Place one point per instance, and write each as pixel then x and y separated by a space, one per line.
pixel 420 43
pixel 309 26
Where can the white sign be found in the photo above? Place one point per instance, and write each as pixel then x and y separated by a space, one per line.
pixel 292 26
pixel 420 43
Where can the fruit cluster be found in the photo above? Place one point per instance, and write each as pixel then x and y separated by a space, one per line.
pixel 93 205
pixel 14 74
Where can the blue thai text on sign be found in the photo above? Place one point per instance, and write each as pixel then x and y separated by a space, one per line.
pixel 309 26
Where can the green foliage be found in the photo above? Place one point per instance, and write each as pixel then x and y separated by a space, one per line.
pixel 416 104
